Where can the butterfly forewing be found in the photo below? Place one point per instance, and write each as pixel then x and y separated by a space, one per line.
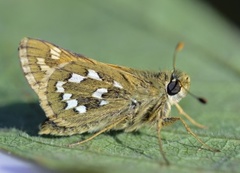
pixel 39 59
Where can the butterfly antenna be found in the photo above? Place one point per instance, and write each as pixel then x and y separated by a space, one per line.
pixel 200 99
pixel 179 47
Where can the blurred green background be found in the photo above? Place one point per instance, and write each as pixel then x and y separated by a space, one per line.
pixel 140 34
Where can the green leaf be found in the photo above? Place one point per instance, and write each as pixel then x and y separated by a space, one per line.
pixel 139 34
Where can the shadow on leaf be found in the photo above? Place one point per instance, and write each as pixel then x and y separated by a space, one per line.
pixel 23 116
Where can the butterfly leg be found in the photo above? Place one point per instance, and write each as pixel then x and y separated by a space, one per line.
pixel 181 111
pixel 99 132
pixel 160 124
pixel 170 120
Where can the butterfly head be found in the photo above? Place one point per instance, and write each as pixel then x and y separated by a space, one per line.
pixel 178 86
pixel 179 83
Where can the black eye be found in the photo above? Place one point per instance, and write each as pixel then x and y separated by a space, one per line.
pixel 173 87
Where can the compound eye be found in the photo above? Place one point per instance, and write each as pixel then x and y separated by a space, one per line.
pixel 173 87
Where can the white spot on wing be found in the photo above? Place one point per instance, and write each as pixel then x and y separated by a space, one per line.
pixel 118 85
pixel 55 57
pixel 42 64
pixel 55 53
pixel 71 104
pixel 66 96
pixel 92 74
pixel 44 67
pixel 26 69
pixel 81 109
pixel 99 92
pixel 56 49
pixel 134 101
pixel 41 61
pixel 76 78
pixel 103 102
pixel 23 54
pixel 59 86
pixel 24 61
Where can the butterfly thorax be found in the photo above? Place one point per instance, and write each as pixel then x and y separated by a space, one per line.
pixel 161 91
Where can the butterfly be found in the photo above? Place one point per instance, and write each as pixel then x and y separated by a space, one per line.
pixel 79 94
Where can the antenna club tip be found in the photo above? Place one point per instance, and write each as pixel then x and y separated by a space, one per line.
pixel 202 100
pixel 180 46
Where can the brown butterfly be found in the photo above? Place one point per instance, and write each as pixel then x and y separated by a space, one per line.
pixel 79 94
